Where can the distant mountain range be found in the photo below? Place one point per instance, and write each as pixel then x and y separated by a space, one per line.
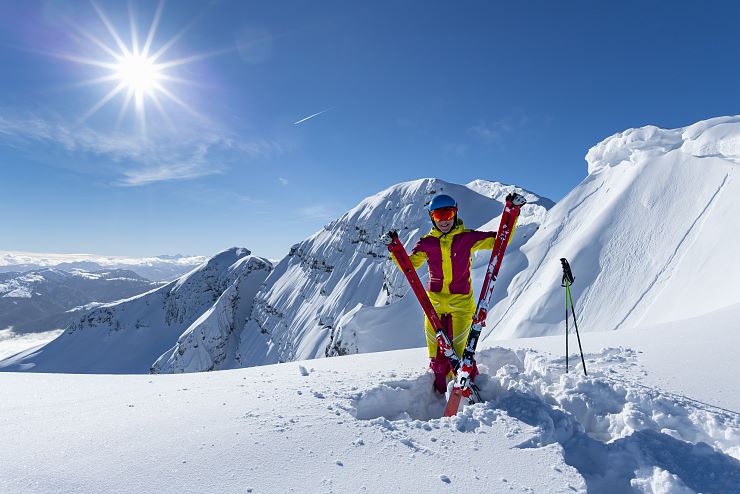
pixel 158 268
pixel 47 299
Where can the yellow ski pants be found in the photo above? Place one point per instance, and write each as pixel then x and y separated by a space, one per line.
pixel 461 308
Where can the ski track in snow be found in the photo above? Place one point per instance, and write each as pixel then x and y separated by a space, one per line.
pixel 674 256
pixel 618 434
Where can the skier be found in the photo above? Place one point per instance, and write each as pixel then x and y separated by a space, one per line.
pixel 448 250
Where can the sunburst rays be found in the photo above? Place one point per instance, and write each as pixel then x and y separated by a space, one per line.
pixel 137 73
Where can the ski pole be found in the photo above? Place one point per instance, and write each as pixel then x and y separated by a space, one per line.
pixel 567 281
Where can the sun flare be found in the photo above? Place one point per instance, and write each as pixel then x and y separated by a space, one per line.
pixel 136 71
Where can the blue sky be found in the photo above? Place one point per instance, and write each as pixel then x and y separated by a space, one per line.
pixel 510 91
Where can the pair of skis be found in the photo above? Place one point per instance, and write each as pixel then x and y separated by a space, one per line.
pixel 462 367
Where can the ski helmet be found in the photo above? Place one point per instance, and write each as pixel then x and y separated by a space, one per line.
pixel 441 201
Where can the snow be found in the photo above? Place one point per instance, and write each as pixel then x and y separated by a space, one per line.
pixel 658 481
pixel 648 234
pixel 21 286
pixel 371 422
pixel 12 343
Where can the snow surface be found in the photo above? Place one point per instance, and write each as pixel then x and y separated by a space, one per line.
pixel 12 343
pixel 370 423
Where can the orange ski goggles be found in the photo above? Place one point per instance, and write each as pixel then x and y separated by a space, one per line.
pixel 443 214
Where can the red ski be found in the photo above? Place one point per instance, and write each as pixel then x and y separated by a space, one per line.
pixel 463 386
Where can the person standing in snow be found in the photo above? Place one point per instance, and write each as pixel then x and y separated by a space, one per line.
pixel 447 250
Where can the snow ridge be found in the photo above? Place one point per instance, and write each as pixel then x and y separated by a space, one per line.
pixel 713 138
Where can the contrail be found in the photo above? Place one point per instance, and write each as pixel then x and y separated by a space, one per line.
pixel 314 115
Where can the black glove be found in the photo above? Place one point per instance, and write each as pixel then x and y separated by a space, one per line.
pixel 387 238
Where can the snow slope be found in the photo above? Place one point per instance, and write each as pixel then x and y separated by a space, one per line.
pixel 343 274
pixel 369 423
pixel 196 313
pixel 12 343
pixel 650 235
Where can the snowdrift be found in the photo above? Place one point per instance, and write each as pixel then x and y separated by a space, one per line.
pixel 643 421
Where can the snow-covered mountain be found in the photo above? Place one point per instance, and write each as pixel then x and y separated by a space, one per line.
pixel 158 268
pixel 170 325
pixel 650 233
pixel 337 292
pixel 49 299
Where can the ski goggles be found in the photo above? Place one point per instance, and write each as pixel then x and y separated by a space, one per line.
pixel 443 214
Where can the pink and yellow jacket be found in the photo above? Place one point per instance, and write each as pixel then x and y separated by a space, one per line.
pixel 449 257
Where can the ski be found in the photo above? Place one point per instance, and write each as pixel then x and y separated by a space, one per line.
pixel 463 387
pixel 397 250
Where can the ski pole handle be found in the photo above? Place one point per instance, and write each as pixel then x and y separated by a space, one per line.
pixel 567 273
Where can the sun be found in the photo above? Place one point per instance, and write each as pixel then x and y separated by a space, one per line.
pixel 139 73
pixel 135 71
